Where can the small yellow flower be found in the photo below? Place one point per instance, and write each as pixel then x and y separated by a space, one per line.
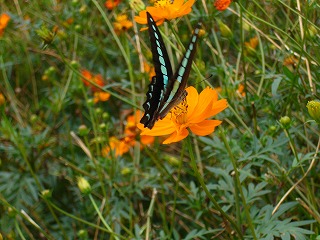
pixel 222 5
pixel 122 24
pixel 4 19
pixel 165 10
pixel 193 113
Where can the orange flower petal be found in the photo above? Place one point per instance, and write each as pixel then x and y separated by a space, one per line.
pixel 175 137
pixel 192 99
pixel 204 106
pixel 205 127
pixel 147 140
pixel 142 18
pixel 104 96
pixel 161 127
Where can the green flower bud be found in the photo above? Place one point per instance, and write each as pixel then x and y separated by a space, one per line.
pixel 46 194
pixel 90 102
pixel 83 130
pixel 45 34
pixel 102 126
pixel 285 122
pixel 83 185
pixel 75 2
pixel 83 234
pixel 125 171
pixel 172 160
pixel 78 27
pixel 83 9
pixel 11 212
pixel 74 64
pixel 314 110
pixel 98 111
pixel 137 5
pixel 225 30
pixel 105 115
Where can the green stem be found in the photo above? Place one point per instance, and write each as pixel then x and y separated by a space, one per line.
pixel 206 190
pixel 238 184
pixel 113 234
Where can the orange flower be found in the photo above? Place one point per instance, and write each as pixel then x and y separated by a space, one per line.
pixel 122 24
pixel 222 5
pixel 97 79
pixel 191 113
pixel 290 61
pixel 241 91
pixel 2 99
pixel 111 4
pixel 250 46
pixel 4 19
pixel 119 147
pixel 148 69
pixel 253 42
pixel 101 97
pixel 132 130
pixel 165 10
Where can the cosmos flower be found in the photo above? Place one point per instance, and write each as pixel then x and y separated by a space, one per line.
pixel 193 113
pixel 165 10
pixel 222 5
pixel 99 95
pixel 111 4
pixel 122 24
pixel 4 19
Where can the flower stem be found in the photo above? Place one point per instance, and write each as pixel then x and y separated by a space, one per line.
pixel 206 190
pixel 238 184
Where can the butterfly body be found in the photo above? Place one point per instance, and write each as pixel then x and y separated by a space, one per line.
pixel 166 89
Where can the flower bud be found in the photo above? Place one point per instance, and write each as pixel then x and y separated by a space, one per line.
pixel 83 130
pixel 314 110
pixel 74 64
pixel 83 234
pixel 137 5
pixel 172 160
pixel 102 126
pixel 125 171
pixel 98 111
pixel 105 115
pixel 46 194
pixel 45 34
pixel 83 185
pixel 225 30
pixel 285 121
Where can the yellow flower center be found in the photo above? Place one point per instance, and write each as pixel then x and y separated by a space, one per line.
pixel 179 113
pixel 162 3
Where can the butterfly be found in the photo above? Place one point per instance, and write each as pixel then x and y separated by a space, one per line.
pixel 166 89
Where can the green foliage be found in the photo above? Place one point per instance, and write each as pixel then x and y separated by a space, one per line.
pixel 255 177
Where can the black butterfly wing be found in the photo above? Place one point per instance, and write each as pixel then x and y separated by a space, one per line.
pixel 175 92
pixel 160 82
